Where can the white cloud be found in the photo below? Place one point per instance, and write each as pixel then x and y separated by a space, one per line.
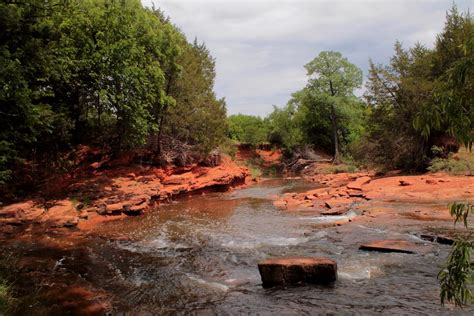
pixel 261 46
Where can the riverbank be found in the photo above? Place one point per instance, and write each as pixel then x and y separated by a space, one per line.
pixel 362 197
pixel 113 193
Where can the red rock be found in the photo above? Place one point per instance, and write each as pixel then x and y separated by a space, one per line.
pixel 336 211
pixel 279 203
pixel 394 245
pixel 63 213
pixel 431 181
pixel 84 214
pixel 115 208
pixel 135 209
pixel 404 183
pixel 337 202
pixel 294 270
pixel 358 183
pixel 11 221
pixel 24 211
pixel 355 193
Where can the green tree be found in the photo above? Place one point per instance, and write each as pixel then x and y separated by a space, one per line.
pixel 199 118
pixel 422 96
pixel 99 72
pixel 332 82
pixel 247 129
pixel 284 127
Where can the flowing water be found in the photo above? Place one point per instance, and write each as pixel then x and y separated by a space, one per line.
pixel 200 255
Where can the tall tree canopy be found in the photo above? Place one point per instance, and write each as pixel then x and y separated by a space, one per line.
pixel 422 97
pixel 100 72
pixel 328 100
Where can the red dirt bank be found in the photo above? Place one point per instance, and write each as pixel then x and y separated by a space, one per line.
pixel 119 192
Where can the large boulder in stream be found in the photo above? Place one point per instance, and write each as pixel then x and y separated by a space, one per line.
pixel 294 270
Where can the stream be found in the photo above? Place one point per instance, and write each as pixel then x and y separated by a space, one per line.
pixel 199 255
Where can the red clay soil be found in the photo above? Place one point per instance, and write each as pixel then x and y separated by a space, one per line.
pixel 118 192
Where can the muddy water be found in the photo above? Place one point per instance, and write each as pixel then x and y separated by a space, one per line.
pixel 199 256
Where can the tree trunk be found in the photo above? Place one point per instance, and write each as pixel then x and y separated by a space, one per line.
pixel 158 140
pixel 334 133
pixel 334 126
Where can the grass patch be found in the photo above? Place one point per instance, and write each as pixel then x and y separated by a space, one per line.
pixel 7 300
pixel 255 171
pixel 343 168
pixel 461 163
pixel 8 272
pixel 229 147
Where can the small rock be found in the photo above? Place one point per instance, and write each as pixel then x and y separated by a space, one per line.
pixel 355 193
pixel 431 181
pixel 335 211
pixel 84 214
pixel 135 209
pixel 294 270
pixel 279 204
pixel 404 183
pixel 116 208
pixel 358 183
pixel 338 202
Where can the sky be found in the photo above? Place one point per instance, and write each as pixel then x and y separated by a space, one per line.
pixel 261 46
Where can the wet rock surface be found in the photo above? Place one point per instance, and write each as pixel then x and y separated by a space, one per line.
pixel 395 245
pixel 296 270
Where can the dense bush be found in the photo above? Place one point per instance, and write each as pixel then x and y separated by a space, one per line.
pixel 421 96
pixel 247 129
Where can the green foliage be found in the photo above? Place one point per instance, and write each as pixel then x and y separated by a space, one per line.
pixel 254 166
pixel 100 72
pixel 333 80
pixel 458 273
pixel 228 147
pixel 457 165
pixel 8 272
pixel 198 118
pixel 247 129
pixel 342 168
pixel 284 127
pixel 325 113
pixel 6 297
pixel 421 96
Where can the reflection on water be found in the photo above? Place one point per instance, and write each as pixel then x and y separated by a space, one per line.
pixel 200 255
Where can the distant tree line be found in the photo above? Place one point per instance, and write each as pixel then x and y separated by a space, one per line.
pixel 420 102
pixel 100 72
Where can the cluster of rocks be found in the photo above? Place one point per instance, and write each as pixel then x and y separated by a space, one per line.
pixel 375 196
pixel 342 191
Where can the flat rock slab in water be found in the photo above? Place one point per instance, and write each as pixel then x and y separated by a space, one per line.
pixel 295 270
pixel 395 245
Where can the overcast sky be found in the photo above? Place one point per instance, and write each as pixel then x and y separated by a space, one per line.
pixel 261 46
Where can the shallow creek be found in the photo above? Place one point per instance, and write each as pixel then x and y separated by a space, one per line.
pixel 200 255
